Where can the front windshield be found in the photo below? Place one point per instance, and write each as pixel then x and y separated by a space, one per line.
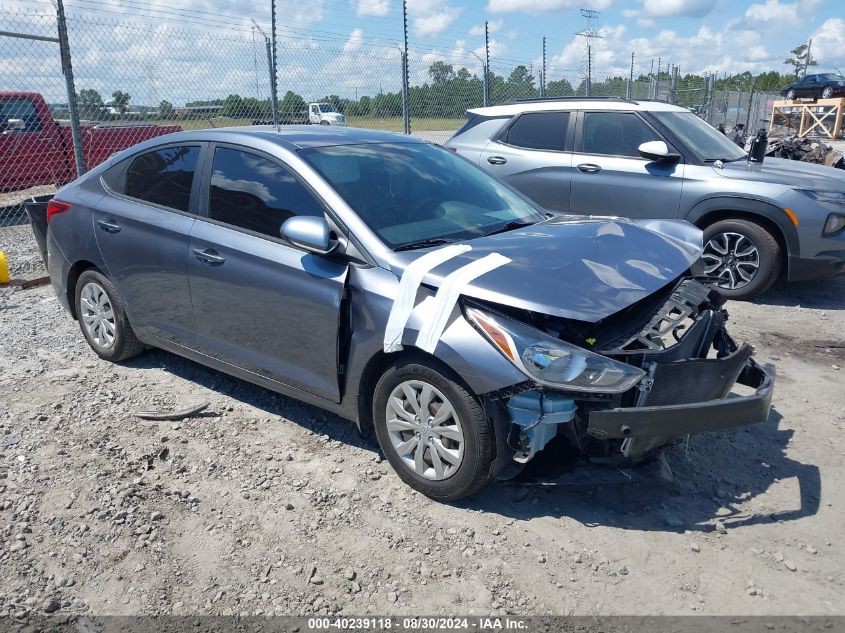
pixel 413 193
pixel 705 142
pixel 327 107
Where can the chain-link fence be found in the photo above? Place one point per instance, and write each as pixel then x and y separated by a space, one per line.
pixel 118 83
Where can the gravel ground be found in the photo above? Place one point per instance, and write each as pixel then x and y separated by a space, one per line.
pixel 264 505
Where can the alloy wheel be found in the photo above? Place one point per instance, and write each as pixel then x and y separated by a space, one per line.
pixel 827 93
pixel 732 258
pixel 97 315
pixel 424 430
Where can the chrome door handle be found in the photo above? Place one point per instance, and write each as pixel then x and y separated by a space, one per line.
pixel 209 256
pixel 589 168
pixel 109 226
pixel 497 160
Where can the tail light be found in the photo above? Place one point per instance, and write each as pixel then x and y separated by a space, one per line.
pixel 54 207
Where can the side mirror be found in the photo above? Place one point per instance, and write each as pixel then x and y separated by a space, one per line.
pixel 659 151
pixel 14 125
pixel 310 233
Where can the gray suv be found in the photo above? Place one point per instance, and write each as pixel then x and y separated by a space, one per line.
pixel 647 159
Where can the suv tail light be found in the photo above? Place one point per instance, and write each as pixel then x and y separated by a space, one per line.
pixel 54 207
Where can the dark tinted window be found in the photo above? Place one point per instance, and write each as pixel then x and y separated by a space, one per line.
pixel 255 193
pixel 163 177
pixel 615 133
pixel 23 109
pixel 539 130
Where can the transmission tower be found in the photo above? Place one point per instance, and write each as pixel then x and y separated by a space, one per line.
pixel 590 33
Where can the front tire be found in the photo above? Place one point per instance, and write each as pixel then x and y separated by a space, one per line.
pixel 103 320
pixel 742 256
pixel 790 94
pixel 432 430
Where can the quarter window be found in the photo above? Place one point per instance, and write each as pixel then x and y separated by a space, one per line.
pixel 255 193
pixel 163 177
pixel 20 108
pixel 539 130
pixel 615 133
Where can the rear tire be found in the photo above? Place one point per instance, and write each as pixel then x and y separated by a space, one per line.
pixel 444 450
pixel 743 255
pixel 102 318
pixel 827 93
pixel 790 94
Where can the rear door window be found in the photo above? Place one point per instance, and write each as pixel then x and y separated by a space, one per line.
pixel 615 134
pixel 163 177
pixel 539 130
pixel 255 193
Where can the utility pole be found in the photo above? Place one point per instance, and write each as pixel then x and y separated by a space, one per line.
pixel 406 105
pixel 807 58
pixel 543 75
pixel 274 91
pixel 589 33
pixel 274 106
pixel 67 70
pixel 486 64
pixel 630 90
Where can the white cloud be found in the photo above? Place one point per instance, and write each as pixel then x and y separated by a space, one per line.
pixel 431 17
pixel 773 11
pixel 378 8
pixel 353 43
pixel 829 44
pixel 493 27
pixel 677 8
pixel 544 6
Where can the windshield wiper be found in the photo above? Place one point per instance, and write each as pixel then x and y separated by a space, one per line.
pixel 724 160
pixel 510 226
pixel 432 241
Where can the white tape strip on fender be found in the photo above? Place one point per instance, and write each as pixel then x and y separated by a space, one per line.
pixel 406 294
pixel 448 294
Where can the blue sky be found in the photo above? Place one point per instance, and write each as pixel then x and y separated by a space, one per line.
pixel 351 47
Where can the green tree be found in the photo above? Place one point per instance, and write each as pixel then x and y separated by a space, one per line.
pixel 165 109
pixel 801 60
pixel 291 104
pixel 90 103
pixel 120 101
pixel 441 72
pixel 559 88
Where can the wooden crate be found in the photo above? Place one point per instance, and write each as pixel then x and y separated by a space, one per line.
pixel 822 117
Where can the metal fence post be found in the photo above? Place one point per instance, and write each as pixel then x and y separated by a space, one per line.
pixel 486 64
pixel 406 105
pixel 589 69
pixel 274 107
pixel 73 107
pixel 630 91
pixel 274 90
pixel 543 75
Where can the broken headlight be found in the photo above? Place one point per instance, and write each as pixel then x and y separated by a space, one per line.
pixel 550 361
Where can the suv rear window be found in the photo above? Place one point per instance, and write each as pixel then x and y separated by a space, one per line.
pixel 539 130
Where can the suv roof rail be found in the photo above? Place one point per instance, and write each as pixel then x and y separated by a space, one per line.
pixel 570 98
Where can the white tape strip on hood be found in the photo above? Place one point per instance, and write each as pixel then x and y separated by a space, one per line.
pixel 406 294
pixel 447 296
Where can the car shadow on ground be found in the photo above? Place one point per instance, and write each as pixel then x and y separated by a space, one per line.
pixel 710 472
pixel 823 294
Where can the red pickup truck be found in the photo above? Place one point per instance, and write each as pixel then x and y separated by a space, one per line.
pixel 35 149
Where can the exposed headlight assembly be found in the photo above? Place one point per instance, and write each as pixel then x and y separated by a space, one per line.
pixel 550 361
pixel 835 197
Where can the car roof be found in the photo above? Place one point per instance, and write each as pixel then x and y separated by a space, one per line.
pixel 292 136
pixel 574 103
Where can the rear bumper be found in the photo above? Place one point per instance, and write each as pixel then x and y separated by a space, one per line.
pixel 677 420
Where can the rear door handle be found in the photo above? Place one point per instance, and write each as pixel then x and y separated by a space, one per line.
pixel 589 168
pixel 497 160
pixel 109 226
pixel 209 256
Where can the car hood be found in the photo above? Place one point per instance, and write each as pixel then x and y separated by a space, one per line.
pixel 786 172
pixel 575 267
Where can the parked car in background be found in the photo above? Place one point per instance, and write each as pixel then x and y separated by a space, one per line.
pixel 35 149
pixel 820 86
pixel 647 159
pixel 392 282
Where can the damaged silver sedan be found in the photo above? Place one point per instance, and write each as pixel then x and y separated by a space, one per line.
pixel 394 283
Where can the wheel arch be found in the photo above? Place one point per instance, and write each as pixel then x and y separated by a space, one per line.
pixel 768 216
pixel 73 277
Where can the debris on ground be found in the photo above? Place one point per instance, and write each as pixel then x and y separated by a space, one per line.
pixel 806 150
pixel 172 415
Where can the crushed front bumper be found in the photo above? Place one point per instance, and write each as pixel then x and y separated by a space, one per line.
pixel 674 420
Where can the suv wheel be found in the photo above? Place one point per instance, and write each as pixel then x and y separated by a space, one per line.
pixel 432 430
pixel 827 93
pixel 790 94
pixel 103 320
pixel 742 257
